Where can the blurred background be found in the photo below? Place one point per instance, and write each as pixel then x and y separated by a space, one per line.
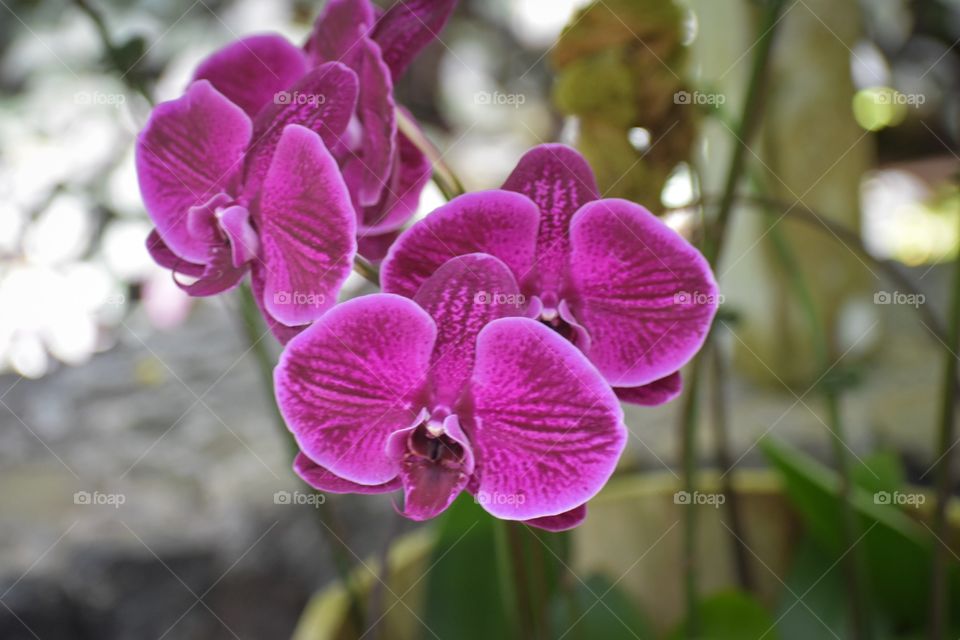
pixel 139 464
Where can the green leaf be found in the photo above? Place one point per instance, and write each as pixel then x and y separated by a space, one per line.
pixel 732 615
pixel 896 550
pixel 596 608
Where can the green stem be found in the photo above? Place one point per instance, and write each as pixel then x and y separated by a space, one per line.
pixel 749 120
pixel 939 587
pixel 366 269
pixel 506 573
pixel 331 530
pixel 113 52
pixel 854 568
pixel 444 177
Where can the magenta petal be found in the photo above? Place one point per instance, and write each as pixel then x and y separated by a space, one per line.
pixel 280 331
pixel 643 293
pixel 547 430
pixel 219 274
pixel 655 393
pixel 339 30
pixel 251 71
pixel 374 159
pixel 559 180
pixel 244 244
pixel 166 258
pixel 321 479
pixel 410 174
pixel 374 248
pixel 497 222
pixel 307 229
pixel 464 294
pixel 407 27
pixel 561 522
pixel 323 101
pixel 352 379
pixel 189 151
pixel 432 479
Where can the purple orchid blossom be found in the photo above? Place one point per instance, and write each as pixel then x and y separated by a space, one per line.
pixel 446 393
pixel 606 274
pixel 384 171
pixel 230 195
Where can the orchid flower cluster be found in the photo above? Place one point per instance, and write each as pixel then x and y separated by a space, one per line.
pixel 512 324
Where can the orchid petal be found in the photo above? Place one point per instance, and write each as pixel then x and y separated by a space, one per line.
pixel 280 331
pixel 644 294
pixel 251 71
pixel 497 222
pixel 411 173
pixel 339 30
pixel 189 152
pixel 323 101
pixel 352 379
pixel 167 259
pixel 560 522
pixel 464 294
pixel 307 229
pixel 559 181
pixel 547 430
pixel 407 27
pixel 323 480
pixel 654 393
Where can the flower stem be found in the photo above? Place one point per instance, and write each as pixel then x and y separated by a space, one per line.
pixel 507 574
pixel 443 176
pixel 716 232
pixel 330 528
pixel 939 587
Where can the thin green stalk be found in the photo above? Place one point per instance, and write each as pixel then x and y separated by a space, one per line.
pixel 853 566
pixel 366 269
pixel 506 574
pixel 939 587
pixel 444 177
pixel 331 530
pixel 715 234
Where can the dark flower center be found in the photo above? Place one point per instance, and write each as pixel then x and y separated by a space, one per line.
pixel 440 449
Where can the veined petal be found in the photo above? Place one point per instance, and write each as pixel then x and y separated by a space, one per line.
pixel 407 27
pixel 352 379
pixel 410 174
pixel 561 522
pixel 464 294
pixel 339 31
pixel 372 161
pixel 654 393
pixel 547 430
pixel 323 101
pixel 643 293
pixel 559 181
pixel 321 479
pixel 307 229
pixel 280 331
pixel 189 151
pixel 497 222
pixel 252 71
pixel 166 258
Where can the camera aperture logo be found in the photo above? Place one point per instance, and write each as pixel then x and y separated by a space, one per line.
pixel 500 299
pixel 114 500
pixel 299 298
pixel 296 97
pixel 299 497
pixel 712 499
pixel 899 498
